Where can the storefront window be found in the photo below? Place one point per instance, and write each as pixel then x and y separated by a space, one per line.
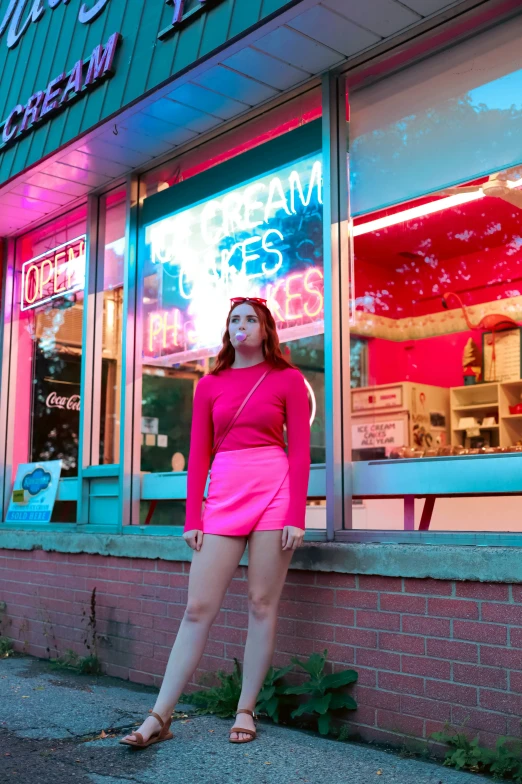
pixel 262 237
pixel 46 351
pixel 438 286
pixel 110 283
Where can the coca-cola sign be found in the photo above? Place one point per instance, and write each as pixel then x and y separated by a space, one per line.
pixel 69 403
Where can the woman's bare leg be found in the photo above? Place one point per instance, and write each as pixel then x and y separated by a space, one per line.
pixel 211 571
pixel 267 567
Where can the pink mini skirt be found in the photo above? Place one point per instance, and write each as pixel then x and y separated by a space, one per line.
pixel 249 491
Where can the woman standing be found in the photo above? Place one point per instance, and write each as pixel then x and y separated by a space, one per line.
pixel 257 494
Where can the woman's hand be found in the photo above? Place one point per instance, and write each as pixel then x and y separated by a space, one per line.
pixel 194 539
pixel 292 537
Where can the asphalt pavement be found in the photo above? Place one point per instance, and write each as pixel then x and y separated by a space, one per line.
pixel 57 727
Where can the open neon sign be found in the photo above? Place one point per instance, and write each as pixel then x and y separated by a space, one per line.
pixel 261 239
pixel 53 274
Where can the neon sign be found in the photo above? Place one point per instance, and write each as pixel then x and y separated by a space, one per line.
pixel 263 238
pixel 53 274
pixel 60 92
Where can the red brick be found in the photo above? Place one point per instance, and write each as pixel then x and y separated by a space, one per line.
pixel 298 577
pixel 337 653
pixel 405 684
pixel 480 632
pixel 478 720
pixel 142 620
pixel 431 627
pixel 238 588
pixel 381 660
pixel 239 603
pixel 130 576
pixel 426 709
pixel 423 665
pixel 377 698
pixel 493 592
pixel 315 631
pixel 501 701
pixel 156 578
pixel 515 682
pixel 395 722
pixel 226 634
pixel 451 692
pixel 453 608
pixel 370 582
pixel 285 626
pixel 515 637
pixel 169 566
pixel 366 677
pixel 414 605
pixel 502 613
pixel 517 592
pixel 495 656
pixel 332 580
pixel 178 580
pixel 239 620
pixel 299 645
pixel 514 728
pixel 361 599
pixel 337 615
pixel 364 715
pixel 427 586
pixel 312 594
pixel 403 643
pixel 288 609
pixel 450 649
pixel 358 637
pixel 493 677
pixel 378 620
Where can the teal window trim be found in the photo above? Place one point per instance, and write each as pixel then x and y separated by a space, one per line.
pixel 261 160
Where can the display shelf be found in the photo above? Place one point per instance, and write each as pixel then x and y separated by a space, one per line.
pixel 480 427
pixel 491 399
pixel 476 407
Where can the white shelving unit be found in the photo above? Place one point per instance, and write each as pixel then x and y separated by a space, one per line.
pixel 487 400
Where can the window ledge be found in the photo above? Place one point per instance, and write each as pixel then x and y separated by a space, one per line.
pixel 440 562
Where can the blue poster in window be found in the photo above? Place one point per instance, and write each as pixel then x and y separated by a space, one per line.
pixel 34 492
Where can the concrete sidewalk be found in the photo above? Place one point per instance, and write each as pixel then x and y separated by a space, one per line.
pixel 51 722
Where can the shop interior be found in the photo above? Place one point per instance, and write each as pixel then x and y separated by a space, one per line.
pixel 438 299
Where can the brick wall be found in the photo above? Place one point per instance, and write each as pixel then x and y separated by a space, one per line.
pixel 427 651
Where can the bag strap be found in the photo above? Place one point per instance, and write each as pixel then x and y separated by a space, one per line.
pixel 241 407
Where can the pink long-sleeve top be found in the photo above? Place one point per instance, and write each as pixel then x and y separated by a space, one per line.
pixel 280 399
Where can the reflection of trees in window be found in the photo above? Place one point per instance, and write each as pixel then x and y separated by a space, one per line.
pixel 435 145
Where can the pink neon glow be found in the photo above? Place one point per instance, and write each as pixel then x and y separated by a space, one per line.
pixel 297 299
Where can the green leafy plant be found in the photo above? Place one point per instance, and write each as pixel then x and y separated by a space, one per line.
pixel 324 691
pixel 6 647
pixel 502 762
pixel 273 693
pixel 220 700
pixel 85 665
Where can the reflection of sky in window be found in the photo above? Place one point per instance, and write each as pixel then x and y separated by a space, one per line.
pixel 500 93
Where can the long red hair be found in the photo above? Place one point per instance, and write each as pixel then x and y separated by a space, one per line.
pixel 271 346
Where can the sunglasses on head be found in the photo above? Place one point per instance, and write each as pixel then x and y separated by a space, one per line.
pixel 239 300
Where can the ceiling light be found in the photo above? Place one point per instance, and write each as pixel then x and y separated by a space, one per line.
pixel 416 212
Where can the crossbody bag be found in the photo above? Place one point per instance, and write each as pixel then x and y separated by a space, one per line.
pixel 238 412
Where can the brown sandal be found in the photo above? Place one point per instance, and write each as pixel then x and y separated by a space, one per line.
pixel 157 737
pixel 252 733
